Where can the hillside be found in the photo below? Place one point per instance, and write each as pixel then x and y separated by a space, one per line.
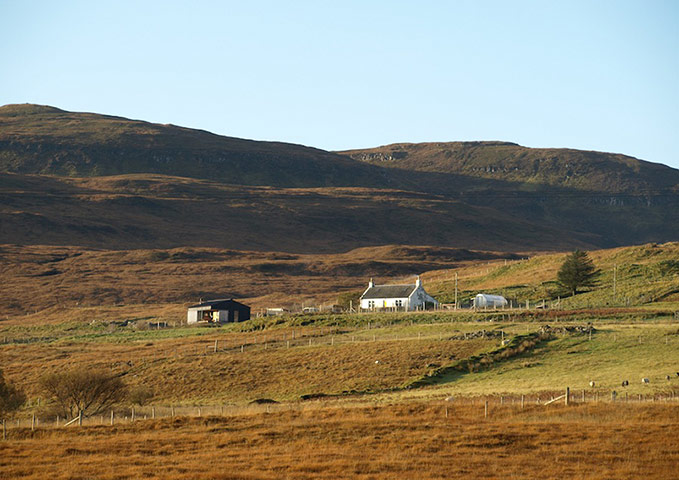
pixel 112 182
pixel 46 140
pixel 642 275
pixel 532 169
pixel 623 199
pixel 155 211
pixel 63 277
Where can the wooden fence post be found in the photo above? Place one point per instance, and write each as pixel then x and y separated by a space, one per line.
pixel 522 400
pixel 80 418
pixel 485 410
pixel 568 395
pixel 583 395
pixel 4 430
pixel 153 413
pixel 33 422
pixel 172 411
pixel 111 417
pixel 216 345
pixel 132 414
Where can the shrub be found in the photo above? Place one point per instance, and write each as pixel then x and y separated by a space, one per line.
pixel 140 395
pixel 89 391
pixel 11 398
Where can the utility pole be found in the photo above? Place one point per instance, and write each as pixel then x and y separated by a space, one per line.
pixel 455 290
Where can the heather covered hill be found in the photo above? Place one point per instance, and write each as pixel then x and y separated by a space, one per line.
pixel 528 169
pixel 157 211
pixel 46 140
pixel 101 181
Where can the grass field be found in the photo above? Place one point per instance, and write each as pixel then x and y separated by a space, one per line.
pixel 358 395
pixel 399 440
pixel 379 354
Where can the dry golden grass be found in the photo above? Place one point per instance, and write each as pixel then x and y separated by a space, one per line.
pixel 413 440
pixel 60 278
pixel 186 369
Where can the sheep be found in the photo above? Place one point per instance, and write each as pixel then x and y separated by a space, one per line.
pixel 645 380
pixel 625 383
pixel 592 384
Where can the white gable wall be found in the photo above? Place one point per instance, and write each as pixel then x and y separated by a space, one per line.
pixel 419 298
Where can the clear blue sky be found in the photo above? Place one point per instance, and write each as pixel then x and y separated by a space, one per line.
pixel 600 75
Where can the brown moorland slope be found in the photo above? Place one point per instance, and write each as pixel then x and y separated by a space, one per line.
pixel 40 277
pixel 47 140
pixel 156 211
pixel 600 198
pixel 531 168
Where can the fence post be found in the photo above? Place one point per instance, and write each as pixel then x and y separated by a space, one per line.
pixel 33 422
pixel 216 345
pixel 153 413
pixel 172 411
pixel 568 395
pixel 522 400
pixel 80 418
pixel 583 395
pixel 485 410
pixel 4 430
pixel 111 417
pixel 132 414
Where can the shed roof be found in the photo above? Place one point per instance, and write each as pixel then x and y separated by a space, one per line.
pixel 389 291
pixel 219 304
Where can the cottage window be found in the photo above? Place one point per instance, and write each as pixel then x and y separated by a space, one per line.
pixel 399 303
pixel 371 303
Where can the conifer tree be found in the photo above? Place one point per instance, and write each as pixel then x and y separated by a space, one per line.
pixel 576 272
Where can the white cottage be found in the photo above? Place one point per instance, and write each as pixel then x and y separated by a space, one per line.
pixel 396 297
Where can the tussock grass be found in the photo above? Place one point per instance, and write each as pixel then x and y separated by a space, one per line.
pixel 402 440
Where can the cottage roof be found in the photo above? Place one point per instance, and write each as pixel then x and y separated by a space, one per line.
pixel 389 291
pixel 218 304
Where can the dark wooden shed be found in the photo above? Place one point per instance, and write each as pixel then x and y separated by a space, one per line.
pixel 218 311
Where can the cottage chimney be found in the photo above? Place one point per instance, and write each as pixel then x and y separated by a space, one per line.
pixel 418 282
pixel 371 284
